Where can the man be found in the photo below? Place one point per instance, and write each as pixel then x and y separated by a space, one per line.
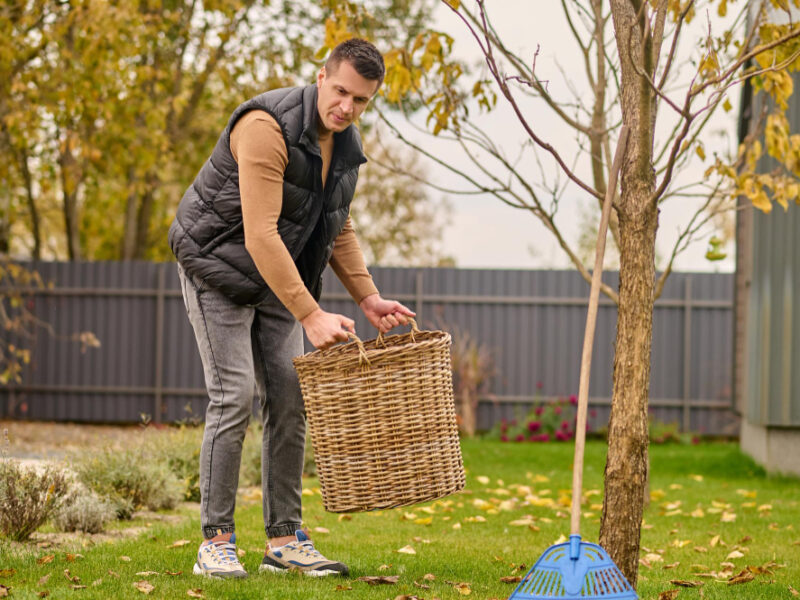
pixel 252 235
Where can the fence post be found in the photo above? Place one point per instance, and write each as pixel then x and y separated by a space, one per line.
pixel 687 354
pixel 159 351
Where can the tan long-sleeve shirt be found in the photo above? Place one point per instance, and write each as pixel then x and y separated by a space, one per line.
pixel 258 147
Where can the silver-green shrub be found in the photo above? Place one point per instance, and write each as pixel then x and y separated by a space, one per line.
pixel 83 510
pixel 28 497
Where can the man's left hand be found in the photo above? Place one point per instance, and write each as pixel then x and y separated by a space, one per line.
pixel 385 314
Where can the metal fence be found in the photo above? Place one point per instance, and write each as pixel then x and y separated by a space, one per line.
pixel 531 322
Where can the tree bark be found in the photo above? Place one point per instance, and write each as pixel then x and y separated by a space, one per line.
pixel 69 188
pixel 626 464
pixel 32 208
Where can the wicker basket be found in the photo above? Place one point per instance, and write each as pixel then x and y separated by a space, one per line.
pixel 382 421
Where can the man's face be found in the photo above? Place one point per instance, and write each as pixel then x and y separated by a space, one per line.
pixel 343 95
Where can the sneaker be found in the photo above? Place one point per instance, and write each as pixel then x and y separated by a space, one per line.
pixel 301 555
pixel 219 560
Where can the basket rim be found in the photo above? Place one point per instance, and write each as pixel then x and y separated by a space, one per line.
pixel 346 349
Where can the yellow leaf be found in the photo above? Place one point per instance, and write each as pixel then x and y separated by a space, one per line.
pixel 697 513
pixel 424 521
pixel 454 4
pixel 728 517
pixel 696 477
pixel 463 588
pixel 726 106
pixel 456 525
pixel 702 154
pixel 483 479
pixel 321 530
pixel 307 492
pixel 409 516
pixel 652 557
pixel 176 544
pixel 195 593
pixel 734 554
pixel 561 539
pixel 144 586
pixel 407 550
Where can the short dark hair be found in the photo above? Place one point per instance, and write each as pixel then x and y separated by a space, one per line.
pixel 362 55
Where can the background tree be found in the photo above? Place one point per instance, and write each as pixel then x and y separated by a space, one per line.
pixel 636 77
pixel 108 109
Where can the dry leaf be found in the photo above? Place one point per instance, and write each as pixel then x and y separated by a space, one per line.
pixel 482 479
pixel 344 588
pixel 407 597
pixel 743 577
pixel 407 550
pixel 43 581
pixel 714 541
pixel 700 549
pixel 173 573
pixel 735 554
pixel 113 573
pixel 46 559
pixel 652 557
pixel 321 530
pixel 793 591
pixel 463 588
pixel 195 593
pixel 125 558
pixel 70 577
pixel 511 579
pixel 177 544
pixel 668 595
pixel 144 586
pixel 345 518
pixel 72 557
pixel 78 587
pixel 384 567
pixel 7 572
pixel 97 582
pixel 4 591
pixel 381 580
pixel 672 566
pixel 687 584
pixel 422 586
pixel 429 577
pixel 43 594
pixel 147 573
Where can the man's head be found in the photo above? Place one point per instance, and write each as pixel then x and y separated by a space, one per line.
pixel 352 74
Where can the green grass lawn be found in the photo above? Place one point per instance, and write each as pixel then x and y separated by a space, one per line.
pixel 709 502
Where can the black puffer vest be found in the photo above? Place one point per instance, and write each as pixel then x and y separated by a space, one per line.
pixel 207 235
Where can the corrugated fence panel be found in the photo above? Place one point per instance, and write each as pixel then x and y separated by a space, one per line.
pixel 531 322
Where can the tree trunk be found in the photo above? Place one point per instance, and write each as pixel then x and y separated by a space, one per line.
pixel 69 188
pixel 32 208
pixel 627 463
pixel 131 210
pixel 143 219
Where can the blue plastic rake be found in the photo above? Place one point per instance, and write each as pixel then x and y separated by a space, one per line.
pixel 579 569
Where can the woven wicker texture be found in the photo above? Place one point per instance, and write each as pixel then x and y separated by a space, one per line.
pixel 382 421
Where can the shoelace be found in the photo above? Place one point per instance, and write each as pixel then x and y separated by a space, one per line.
pixel 308 548
pixel 225 552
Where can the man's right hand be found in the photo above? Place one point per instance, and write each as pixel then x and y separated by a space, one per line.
pixel 324 329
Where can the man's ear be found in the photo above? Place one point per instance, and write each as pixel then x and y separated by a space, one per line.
pixel 321 76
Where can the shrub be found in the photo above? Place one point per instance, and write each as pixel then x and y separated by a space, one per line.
pixel 548 421
pixel 180 450
pixel 130 479
pixel 85 511
pixel 28 498
pixel 473 368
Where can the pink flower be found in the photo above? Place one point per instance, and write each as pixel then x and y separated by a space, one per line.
pixel 542 437
pixel 562 436
pixel 503 438
pixel 557 410
pixel 573 400
pixel 534 426
pixel 539 410
pixel 520 438
pixel 565 425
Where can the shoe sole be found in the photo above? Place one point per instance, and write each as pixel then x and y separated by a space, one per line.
pixel 198 570
pixel 323 573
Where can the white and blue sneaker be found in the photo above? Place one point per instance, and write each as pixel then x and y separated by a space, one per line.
pixel 219 560
pixel 301 555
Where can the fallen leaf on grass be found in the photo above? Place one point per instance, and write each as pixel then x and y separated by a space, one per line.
pixel 177 544
pixel 421 586
pixel 147 573
pixel 343 588
pixel 429 577
pixel 407 550
pixel 344 518
pixel 4 591
pixel 379 580
pixel 195 593
pixel 43 580
pixel 686 584
pixel 46 559
pixel 70 577
pixel 668 595
pixel 113 574
pixel 793 591
pixel 7 572
pixel 143 586
pixel 671 566
pixel 125 558
pixel 511 579
pixel 463 588
pixel 482 479
pixel 652 557
pixel 735 554
pixel 43 594
pixel 78 587
pixel 173 573
pixel 321 530
pixel 72 557
pixel 407 597
pixel 384 567
pixel 743 577
pixel 97 582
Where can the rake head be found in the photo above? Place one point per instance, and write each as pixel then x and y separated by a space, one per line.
pixel 577 570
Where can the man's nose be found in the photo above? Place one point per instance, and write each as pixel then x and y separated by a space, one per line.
pixel 347 105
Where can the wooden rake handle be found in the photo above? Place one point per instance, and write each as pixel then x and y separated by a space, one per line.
pixel 588 337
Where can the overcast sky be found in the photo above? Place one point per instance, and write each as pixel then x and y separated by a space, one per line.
pixel 486 233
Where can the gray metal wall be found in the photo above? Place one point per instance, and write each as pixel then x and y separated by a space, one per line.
pixel 531 321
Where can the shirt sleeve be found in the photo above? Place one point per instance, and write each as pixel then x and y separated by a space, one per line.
pixel 348 263
pixel 258 147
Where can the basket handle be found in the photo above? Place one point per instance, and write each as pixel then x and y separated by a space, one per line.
pixel 362 352
pixel 414 329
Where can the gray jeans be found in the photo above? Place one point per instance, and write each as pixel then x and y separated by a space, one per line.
pixel 246 348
